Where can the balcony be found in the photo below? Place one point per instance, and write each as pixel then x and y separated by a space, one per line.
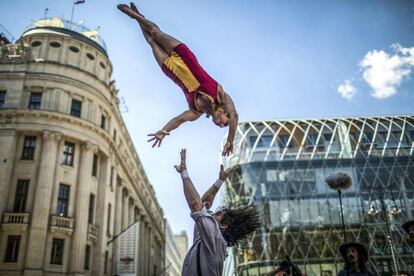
pixel 14 221
pixel 93 232
pixel 62 225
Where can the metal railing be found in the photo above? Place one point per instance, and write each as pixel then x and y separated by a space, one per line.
pixel 57 22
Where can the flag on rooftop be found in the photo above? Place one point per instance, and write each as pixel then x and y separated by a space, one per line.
pixel 79 2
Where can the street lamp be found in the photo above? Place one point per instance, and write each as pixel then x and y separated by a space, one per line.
pixel 373 211
pixel 394 211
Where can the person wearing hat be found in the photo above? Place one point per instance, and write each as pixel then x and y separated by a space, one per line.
pixel 355 256
pixel 409 228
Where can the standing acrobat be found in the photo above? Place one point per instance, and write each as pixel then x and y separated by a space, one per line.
pixel 213 232
pixel 202 92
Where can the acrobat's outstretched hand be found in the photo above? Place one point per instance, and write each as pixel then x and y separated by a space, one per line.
pixel 223 174
pixel 227 149
pixel 158 136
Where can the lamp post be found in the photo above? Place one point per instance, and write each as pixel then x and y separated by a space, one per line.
pixel 394 211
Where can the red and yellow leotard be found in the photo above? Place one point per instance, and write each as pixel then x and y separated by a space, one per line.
pixel 183 68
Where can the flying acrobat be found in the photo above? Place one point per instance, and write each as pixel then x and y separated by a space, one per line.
pixel 203 94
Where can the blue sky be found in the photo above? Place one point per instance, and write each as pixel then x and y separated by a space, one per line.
pixel 277 59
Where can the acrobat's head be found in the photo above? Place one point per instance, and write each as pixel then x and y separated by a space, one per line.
pixel 220 117
pixel 236 223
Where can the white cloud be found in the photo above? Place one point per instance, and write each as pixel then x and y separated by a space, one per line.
pixel 384 72
pixel 347 90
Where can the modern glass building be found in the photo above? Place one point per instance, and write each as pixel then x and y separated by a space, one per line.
pixel 280 166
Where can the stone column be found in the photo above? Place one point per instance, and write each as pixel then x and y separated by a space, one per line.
pixel 151 251
pixel 148 262
pixel 8 141
pixel 101 217
pixel 160 260
pixel 145 244
pixel 131 211
pixel 41 207
pixel 118 209
pixel 157 256
pixel 83 189
pixel 162 254
pixel 117 225
pixel 141 253
pixel 137 218
pixel 125 207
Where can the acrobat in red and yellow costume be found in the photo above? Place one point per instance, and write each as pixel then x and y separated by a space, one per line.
pixel 183 68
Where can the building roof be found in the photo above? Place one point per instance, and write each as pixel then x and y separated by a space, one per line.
pixel 56 25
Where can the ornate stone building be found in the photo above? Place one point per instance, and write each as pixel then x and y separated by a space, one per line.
pixel 70 178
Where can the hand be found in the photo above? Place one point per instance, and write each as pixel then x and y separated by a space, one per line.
pixel 228 148
pixel 223 174
pixel 158 136
pixel 128 10
pixel 183 165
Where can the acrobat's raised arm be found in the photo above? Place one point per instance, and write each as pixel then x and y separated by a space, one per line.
pixel 191 195
pixel 210 194
pixel 188 115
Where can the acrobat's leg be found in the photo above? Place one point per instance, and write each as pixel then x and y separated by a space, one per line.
pixel 159 53
pixel 164 40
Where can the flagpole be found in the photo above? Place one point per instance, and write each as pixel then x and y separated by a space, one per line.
pixel 71 17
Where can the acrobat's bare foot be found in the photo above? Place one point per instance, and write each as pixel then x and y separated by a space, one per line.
pixel 128 11
pixel 135 9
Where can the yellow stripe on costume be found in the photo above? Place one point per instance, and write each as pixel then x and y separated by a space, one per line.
pixel 177 65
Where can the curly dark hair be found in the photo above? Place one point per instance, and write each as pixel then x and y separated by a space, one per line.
pixel 241 221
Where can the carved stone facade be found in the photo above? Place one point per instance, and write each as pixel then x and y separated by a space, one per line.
pixel 70 178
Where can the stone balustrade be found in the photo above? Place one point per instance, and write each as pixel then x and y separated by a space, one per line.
pixel 18 218
pixel 61 224
pixel 15 221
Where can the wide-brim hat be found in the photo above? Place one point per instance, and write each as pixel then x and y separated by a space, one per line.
pixel 358 246
pixel 407 225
